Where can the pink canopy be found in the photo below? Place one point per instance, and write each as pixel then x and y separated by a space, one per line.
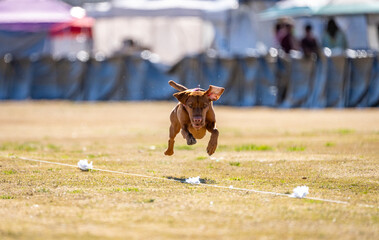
pixel 32 15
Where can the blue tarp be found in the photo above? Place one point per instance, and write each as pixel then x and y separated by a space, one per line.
pixel 24 44
pixel 282 82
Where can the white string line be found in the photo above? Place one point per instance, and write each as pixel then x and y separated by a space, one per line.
pixel 96 169
pixel 203 184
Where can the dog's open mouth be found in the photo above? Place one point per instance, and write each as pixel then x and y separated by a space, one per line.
pixel 197 126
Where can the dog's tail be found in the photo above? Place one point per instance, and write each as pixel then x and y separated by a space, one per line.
pixel 177 86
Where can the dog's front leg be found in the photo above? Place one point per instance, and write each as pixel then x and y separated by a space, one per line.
pixel 188 136
pixel 174 130
pixel 212 144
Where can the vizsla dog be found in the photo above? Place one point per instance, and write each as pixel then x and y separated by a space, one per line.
pixel 194 115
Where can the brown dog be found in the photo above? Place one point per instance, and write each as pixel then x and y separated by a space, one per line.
pixel 194 115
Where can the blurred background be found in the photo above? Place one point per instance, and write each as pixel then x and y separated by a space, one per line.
pixel 286 54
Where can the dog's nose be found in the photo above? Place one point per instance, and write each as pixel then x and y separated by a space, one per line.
pixel 197 119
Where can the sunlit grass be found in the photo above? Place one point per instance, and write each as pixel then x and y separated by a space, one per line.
pixel 295 148
pixel 336 157
pixel 253 147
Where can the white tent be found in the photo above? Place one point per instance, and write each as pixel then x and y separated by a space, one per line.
pixel 206 9
pixel 170 28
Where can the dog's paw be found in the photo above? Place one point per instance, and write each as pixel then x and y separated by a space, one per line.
pixel 168 152
pixel 191 140
pixel 211 148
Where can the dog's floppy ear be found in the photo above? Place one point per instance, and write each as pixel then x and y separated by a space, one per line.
pixel 181 96
pixel 213 93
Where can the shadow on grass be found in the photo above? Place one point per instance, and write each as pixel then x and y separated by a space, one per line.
pixel 183 180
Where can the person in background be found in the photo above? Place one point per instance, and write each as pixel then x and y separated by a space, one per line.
pixel 130 47
pixel 277 33
pixel 309 43
pixel 333 37
pixel 285 36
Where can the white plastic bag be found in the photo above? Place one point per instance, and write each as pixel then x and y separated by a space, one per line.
pixel 300 192
pixel 84 165
pixel 193 180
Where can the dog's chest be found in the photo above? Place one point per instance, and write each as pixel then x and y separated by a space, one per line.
pixel 198 134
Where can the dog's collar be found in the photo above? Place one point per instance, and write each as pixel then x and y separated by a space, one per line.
pixel 197 90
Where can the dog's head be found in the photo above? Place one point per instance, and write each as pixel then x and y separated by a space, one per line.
pixel 197 103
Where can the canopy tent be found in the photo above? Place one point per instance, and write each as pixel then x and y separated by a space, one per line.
pixel 207 9
pixel 32 15
pixel 350 15
pixel 349 7
pixel 27 27
pixel 302 8
pixel 292 8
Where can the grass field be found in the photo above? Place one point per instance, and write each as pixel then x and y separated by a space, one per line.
pixel 334 152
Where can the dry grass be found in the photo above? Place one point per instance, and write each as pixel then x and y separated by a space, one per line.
pixel 334 152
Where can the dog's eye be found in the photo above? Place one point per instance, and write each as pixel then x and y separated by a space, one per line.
pixel 190 105
pixel 205 105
